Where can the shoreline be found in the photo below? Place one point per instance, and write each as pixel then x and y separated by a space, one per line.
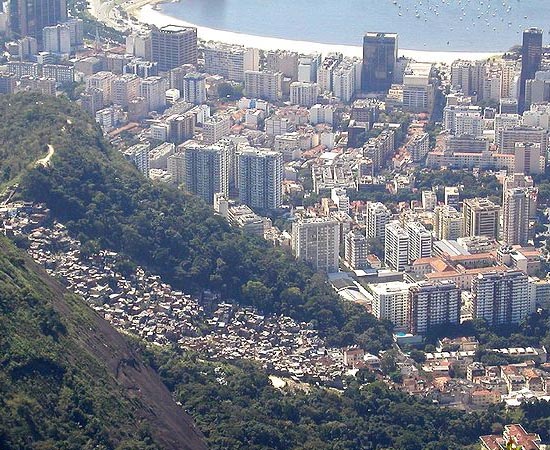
pixel 144 12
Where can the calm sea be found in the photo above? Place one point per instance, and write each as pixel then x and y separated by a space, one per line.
pixel 437 25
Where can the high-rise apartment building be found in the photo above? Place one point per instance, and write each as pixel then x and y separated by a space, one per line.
pixel 194 88
pixel 377 216
pixel 173 46
pixel 396 246
pixel 531 55
pixel 448 223
pixel 230 61
pixel 283 61
pixel 508 137
pixel 303 94
pixel 124 89
pixel 515 216
pixel 432 304
pixel 317 241
pixel 153 90
pixel 390 302
pixel 379 59
pixel 420 241
pixel 355 250
pixel 260 177
pixel 215 127
pixel 501 297
pixel 206 170
pixel 481 217
pixel 30 17
pixel 56 39
pixel 264 85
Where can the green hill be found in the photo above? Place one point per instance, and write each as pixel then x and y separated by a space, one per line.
pixel 107 203
pixel 68 380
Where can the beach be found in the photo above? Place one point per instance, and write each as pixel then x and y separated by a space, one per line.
pixel 144 11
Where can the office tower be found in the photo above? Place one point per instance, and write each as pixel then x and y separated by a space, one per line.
pixel 173 46
pixel 448 223
pixel 529 158
pixel 390 302
pixel 379 59
pixel 317 241
pixel 501 297
pixel 420 241
pixel 356 250
pixel 481 217
pixel 30 17
pixel 124 89
pixel 206 170
pixel 260 177
pixel 452 197
pixel 396 246
pixel 139 156
pixel 153 90
pixel 230 61
pixel 515 216
pixel 432 304
pixel 303 94
pixel 377 216
pixel 283 61
pixel 264 85
pixel 531 55
pixel 194 88
pixel 507 138
pixel 215 127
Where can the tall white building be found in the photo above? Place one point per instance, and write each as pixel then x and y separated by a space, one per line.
pixel 481 217
pixel 346 79
pixel 317 241
pixel 390 302
pixel 260 177
pixel 396 246
pixel 139 156
pixel 303 93
pixel 194 88
pixel 215 127
pixel 516 208
pixel 420 241
pixel 205 170
pixel 355 250
pixel 230 61
pixel 264 85
pixel 124 89
pixel 57 39
pixel 448 223
pixel 321 114
pixel 501 297
pixel 429 200
pixel 432 304
pixel 418 89
pixel 153 90
pixel 377 216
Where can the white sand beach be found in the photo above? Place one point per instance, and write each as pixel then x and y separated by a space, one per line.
pixel 144 11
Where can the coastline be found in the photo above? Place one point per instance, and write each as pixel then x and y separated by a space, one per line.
pixel 144 12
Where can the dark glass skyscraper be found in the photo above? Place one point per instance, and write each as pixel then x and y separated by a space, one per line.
pixel 379 59
pixel 531 54
pixel 29 17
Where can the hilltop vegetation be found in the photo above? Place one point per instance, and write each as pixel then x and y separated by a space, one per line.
pixel 107 203
pixel 68 380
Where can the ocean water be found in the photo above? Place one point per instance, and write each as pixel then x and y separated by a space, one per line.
pixel 434 25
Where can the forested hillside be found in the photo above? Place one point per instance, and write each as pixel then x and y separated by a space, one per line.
pixel 68 380
pixel 106 203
